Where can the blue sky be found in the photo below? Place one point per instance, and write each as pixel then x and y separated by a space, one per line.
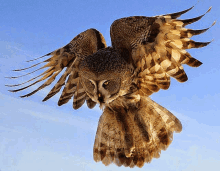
pixel 42 136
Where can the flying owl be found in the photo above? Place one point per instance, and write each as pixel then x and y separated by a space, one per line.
pixel 145 53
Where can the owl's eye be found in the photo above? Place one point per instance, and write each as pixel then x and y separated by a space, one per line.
pixel 105 84
pixel 112 86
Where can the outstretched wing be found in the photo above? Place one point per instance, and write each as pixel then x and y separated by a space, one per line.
pixel 84 44
pixel 156 46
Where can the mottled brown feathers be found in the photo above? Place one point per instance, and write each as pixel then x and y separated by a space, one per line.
pixel 84 44
pixel 132 136
pixel 145 53
pixel 158 50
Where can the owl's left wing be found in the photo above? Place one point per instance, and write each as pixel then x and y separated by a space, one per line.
pixel 83 45
pixel 155 46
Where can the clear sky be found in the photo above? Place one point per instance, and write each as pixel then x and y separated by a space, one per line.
pixel 41 136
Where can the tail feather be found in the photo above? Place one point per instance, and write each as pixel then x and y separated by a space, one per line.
pixel 134 135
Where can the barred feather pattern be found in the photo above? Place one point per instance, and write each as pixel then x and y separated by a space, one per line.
pixel 158 47
pixel 168 54
pixel 84 44
pixel 134 134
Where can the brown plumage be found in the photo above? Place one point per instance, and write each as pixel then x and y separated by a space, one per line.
pixel 133 134
pixel 145 53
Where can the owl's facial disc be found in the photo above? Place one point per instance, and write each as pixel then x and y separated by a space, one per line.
pixel 102 88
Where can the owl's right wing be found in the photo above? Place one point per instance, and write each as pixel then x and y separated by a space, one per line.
pixel 156 47
pixel 84 44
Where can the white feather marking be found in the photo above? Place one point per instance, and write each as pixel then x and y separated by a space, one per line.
pixel 189 35
pixel 167 19
pixel 145 72
pixel 186 60
pixel 155 68
pixel 176 32
pixel 178 23
pixel 173 71
pixel 175 55
pixel 165 64
pixel 167 16
pixel 183 51
pixel 181 67
pixel 148 77
pixel 147 83
pixel 177 43
pixel 162 75
pixel 186 39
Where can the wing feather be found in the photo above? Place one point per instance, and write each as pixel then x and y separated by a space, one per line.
pixel 157 47
pixel 84 44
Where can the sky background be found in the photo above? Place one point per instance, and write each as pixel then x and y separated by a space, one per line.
pixel 41 136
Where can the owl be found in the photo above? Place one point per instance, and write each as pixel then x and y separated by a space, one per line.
pixel 145 53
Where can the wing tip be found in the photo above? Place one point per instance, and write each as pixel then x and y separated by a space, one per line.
pixel 213 24
pixel 209 9
pixel 178 14
pixel 192 20
pixel 59 103
pixel 39 57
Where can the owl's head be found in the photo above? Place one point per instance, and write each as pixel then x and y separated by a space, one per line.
pixel 105 76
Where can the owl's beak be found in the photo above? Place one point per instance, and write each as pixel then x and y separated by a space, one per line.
pixel 100 98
